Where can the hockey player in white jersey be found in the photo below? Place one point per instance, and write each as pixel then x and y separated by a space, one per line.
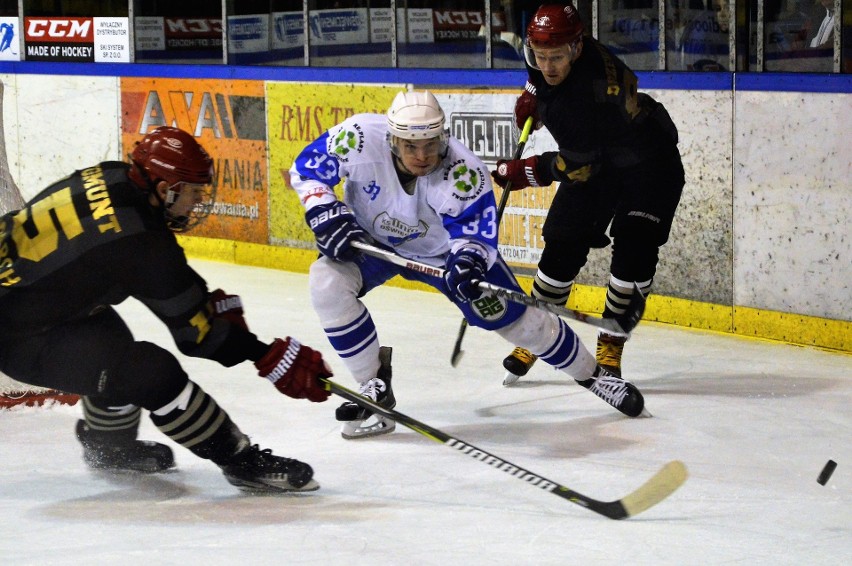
pixel 409 187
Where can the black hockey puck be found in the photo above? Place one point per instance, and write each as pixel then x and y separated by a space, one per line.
pixel 826 472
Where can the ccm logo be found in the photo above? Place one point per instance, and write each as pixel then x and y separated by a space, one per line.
pixel 59 29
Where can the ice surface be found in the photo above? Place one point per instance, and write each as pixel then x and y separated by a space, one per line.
pixel 754 421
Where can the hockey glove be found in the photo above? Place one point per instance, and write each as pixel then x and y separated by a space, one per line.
pixel 526 106
pixel 294 370
pixel 335 229
pixel 227 307
pixel 520 173
pixel 463 267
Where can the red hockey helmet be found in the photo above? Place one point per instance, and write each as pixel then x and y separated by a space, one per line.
pixel 554 25
pixel 172 155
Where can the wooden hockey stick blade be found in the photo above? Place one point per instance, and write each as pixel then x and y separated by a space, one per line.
pixel 661 485
pixel 653 491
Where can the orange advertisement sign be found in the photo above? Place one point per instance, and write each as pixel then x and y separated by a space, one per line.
pixel 228 118
pixel 297 115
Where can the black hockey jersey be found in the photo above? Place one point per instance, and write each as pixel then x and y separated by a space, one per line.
pixel 598 118
pixel 93 239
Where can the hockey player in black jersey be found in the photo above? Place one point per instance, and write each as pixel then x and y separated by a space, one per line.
pixel 104 234
pixel 617 164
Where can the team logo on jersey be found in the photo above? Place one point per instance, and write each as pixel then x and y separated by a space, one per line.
pixel 346 142
pixel 396 231
pixel 468 182
pixel 489 307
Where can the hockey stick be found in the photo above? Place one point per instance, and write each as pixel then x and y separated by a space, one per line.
pixel 661 485
pixel 622 325
pixel 504 199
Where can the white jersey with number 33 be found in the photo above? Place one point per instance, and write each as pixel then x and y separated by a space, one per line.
pixel 449 207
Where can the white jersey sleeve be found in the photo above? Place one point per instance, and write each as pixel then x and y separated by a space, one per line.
pixel 451 207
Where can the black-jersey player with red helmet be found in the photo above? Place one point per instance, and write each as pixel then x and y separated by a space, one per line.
pixel 618 167
pixel 104 234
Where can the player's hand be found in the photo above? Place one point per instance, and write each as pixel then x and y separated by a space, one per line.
pixel 527 106
pixel 463 267
pixel 227 307
pixel 295 370
pixel 521 173
pixel 335 229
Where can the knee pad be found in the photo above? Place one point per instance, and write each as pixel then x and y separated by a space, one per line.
pixel 148 376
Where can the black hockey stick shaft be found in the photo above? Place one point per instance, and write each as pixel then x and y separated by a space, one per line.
pixel 504 199
pixel 660 486
pixel 622 325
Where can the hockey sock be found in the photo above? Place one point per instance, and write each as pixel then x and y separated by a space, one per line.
pixel 195 421
pixel 618 295
pixel 357 344
pixel 550 290
pixel 111 422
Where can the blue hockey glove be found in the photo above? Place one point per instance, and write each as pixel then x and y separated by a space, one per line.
pixel 335 228
pixel 462 268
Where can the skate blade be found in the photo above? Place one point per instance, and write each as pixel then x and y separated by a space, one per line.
pixel 510 378
pixel 260 488
pixel 358 429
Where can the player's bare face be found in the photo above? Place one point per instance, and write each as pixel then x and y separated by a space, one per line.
pixel 419 157
pixel 555 62
pixel 187 197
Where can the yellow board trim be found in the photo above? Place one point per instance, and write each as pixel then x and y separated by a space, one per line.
pixel 741 321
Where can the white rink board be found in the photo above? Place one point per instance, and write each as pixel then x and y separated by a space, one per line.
pixel 728 246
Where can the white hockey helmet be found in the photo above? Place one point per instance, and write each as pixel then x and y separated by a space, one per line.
pixel 416 115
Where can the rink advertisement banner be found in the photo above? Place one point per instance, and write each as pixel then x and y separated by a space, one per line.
pixel 297 115
pixel 288 30
pixel 10 49
pixel 80 40
pixel 454 25
pixel 228 119
pixel 484 123
pixel 158 34
pixel 248 34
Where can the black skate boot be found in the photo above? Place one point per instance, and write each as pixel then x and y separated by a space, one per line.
pixel 517 364
pixel 619 393
pixel 259 471
pixel 609 351
pixel 359 422
pixel 122 453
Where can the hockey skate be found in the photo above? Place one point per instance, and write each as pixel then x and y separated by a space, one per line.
pixel 517 364
pixel 359 422
pixel 608 352
pixel 260 472
pixel 119 453
pixel 619 393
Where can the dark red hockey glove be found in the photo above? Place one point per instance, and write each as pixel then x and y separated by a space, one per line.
pixel 526 106
pixel 228 307
pixel 521 173
pixel 295 370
